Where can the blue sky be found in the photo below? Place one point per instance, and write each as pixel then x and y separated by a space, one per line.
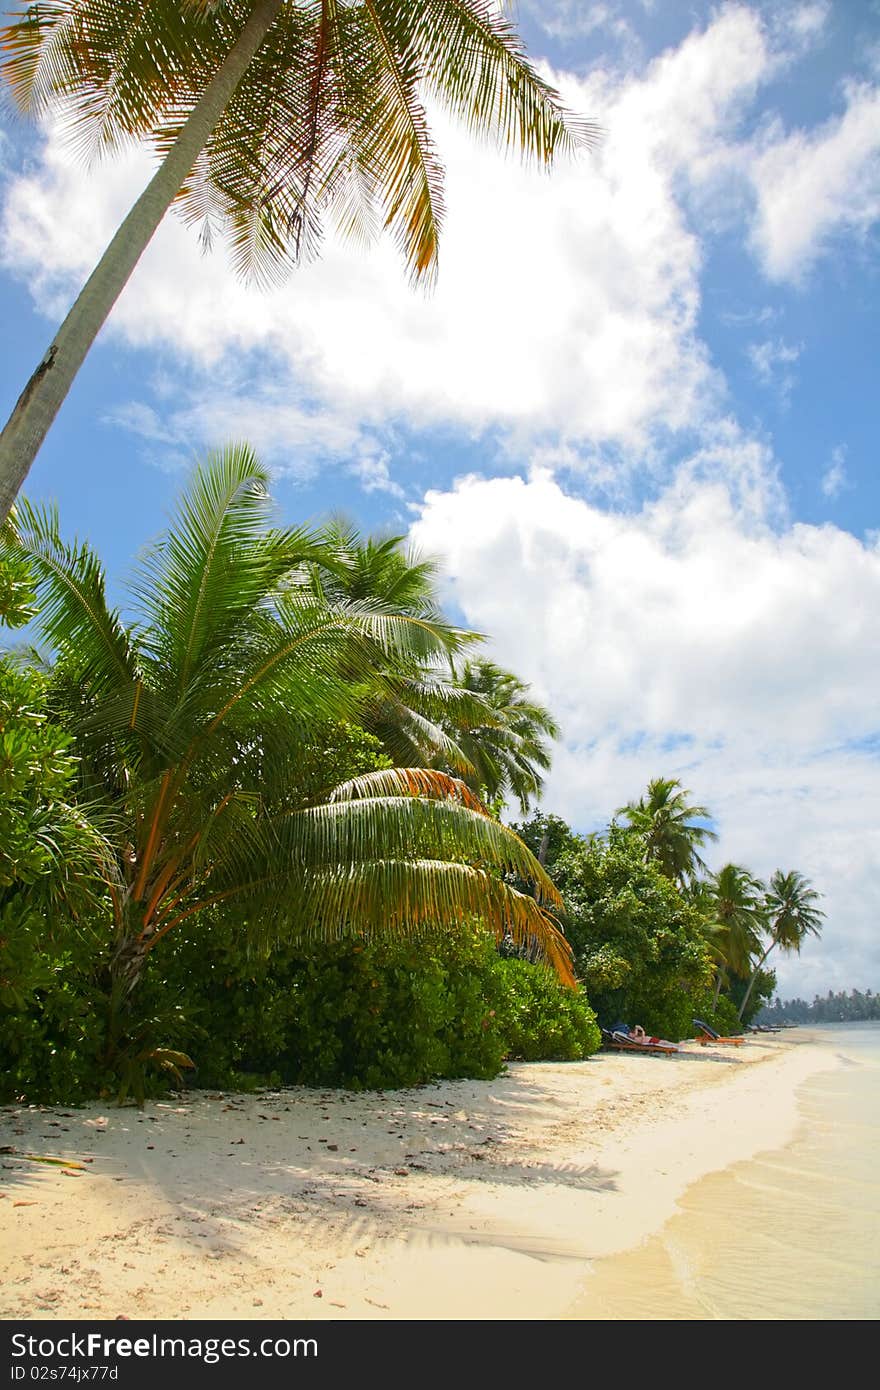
pixel 636 419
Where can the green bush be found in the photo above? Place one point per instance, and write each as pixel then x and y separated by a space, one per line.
pixel 369 1015
pixel 51 1034
pixel 52 862
pixel 544 1021
pixel 350 1013
pixel 722 1016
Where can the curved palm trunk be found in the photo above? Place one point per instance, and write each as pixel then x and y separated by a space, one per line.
pixel 44 394
pixel 742 1007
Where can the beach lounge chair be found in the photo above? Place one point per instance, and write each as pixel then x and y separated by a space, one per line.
pixel 622 1040
pixel 706 1034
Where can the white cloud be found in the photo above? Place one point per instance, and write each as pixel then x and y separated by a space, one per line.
pixel 296 440
pixel 814 186
pixel 692 639
pixel 571 298
pixel 771 361
pixel 374 474
pixel 567 20
pixel 799 27
pixel 834 480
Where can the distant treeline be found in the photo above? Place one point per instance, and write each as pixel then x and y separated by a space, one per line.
pixel 854 1007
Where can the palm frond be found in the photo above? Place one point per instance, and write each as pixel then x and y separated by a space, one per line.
pixel 74 614
pixel 407 827
pixel 474 60
pixel 398 148
pixel 217 562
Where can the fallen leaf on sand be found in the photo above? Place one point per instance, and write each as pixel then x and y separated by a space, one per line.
pixel 24 1204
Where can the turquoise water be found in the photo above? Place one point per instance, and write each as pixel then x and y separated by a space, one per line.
pixel 790 1234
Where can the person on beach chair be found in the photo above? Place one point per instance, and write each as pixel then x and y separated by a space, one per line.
pixel 707 1034
pixel 635 1039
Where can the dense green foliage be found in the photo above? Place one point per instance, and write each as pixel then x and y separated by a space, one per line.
pixel 541 1021
pixel 637 941
pixel 357 1014
pixel 212 731
pixel 52 869
pixel 339 918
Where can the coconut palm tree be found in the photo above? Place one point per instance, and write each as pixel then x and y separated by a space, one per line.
pixel 189 722
pixel 664 820
pixel 470 718
pixel 508 745
pixel 409 711
pixel 733 903
pixel 267 116
pixel 792 914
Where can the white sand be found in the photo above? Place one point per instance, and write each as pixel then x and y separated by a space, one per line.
pixel 463 1200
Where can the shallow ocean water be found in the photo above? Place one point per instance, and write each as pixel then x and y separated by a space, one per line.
pixel 790 1234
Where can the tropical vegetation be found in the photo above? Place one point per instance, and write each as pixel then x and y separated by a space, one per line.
pixel 251 820
pixel 668 829
pixel 857 1006
pixel 251 827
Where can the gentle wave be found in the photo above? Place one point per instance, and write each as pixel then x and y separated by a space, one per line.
pixel 788 1235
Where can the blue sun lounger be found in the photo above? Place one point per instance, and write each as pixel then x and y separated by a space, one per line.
pixel 707 1034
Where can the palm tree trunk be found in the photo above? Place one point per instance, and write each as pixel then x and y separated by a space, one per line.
pixel 717 991
pixel 742 1007
pixel 44 394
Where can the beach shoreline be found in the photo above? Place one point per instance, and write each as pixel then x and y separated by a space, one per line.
pixel 458 1200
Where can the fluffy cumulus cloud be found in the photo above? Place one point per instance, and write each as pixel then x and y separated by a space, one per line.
pixel 692 639
pixel 571 298
pixel 567 303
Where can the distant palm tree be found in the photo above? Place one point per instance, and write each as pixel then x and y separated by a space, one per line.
pixel 376 570
pixel 790 904
pixel 469 717
pixel 734 902
pixel 189 727
pixel 414 706
pixel 267 115
pixel 665 822
pixel 509 745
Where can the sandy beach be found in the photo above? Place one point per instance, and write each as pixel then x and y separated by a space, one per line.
pixel 461 1200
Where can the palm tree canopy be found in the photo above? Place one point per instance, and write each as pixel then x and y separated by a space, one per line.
pixel 508 745
pixel 329 117
pixel 188 725
pixel 467 716
pixel 665 821
pixel 791 905
pixel 735 903
pixel 790 915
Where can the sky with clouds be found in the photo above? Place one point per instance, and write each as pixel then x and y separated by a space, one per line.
pixel 636 418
